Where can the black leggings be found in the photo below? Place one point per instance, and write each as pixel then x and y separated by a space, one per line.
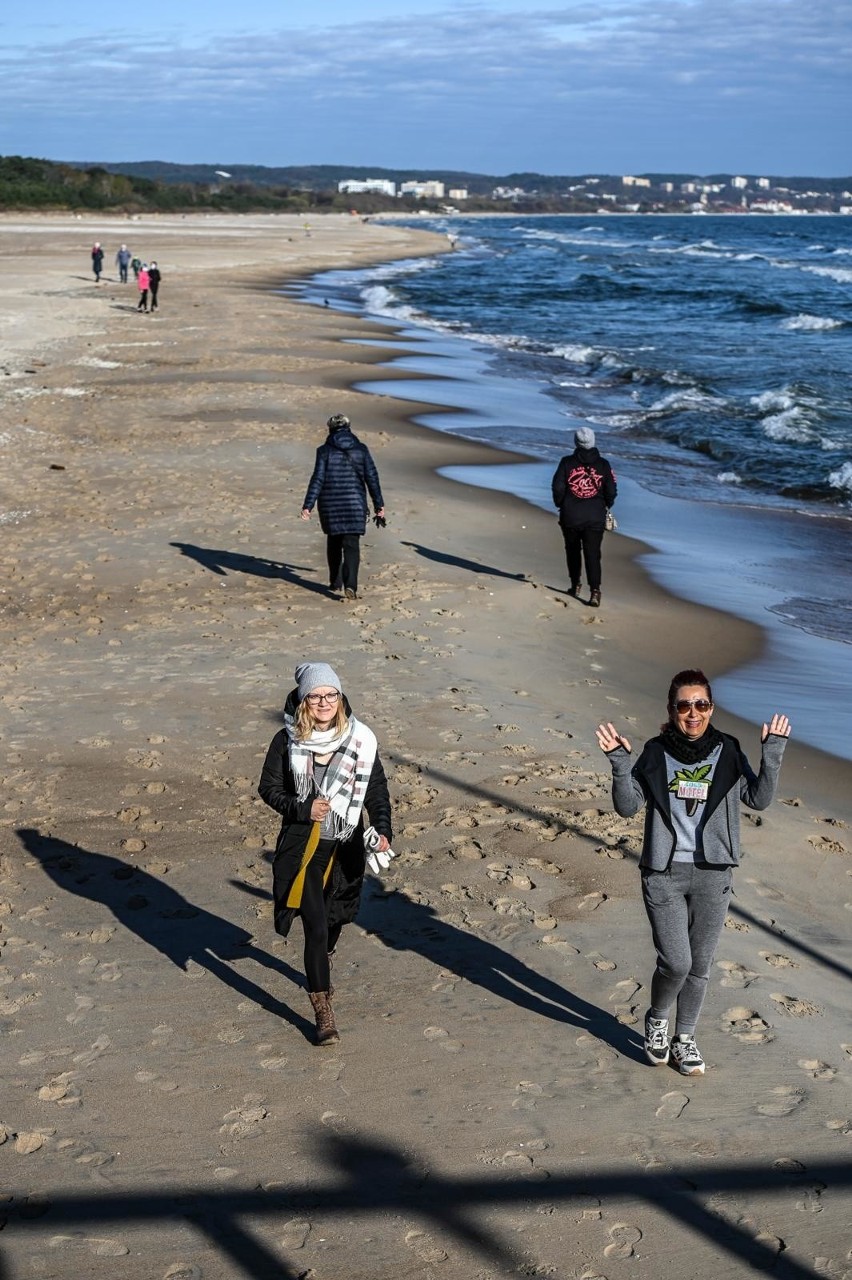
pixel 319 939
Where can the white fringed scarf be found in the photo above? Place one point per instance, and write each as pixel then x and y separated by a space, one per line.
pixel 345 784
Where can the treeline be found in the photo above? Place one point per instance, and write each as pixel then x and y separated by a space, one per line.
pixel 44 184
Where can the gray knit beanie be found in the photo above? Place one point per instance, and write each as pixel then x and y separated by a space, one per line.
pixel 584 438
pixel 314 675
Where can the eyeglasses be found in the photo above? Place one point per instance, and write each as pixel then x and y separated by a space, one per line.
pixel 314 699
pixel 700 704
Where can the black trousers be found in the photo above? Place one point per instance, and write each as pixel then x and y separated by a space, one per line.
pixel 584 539
pixel 154 291
pixel 143 300
pixel 344 558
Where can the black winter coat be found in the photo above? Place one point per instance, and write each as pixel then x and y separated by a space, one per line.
pixel 278 789
pixel 584 488
pixel 343 472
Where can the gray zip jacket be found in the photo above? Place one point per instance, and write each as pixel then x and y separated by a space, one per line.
pixel 734 781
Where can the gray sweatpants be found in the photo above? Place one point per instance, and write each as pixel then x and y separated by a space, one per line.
pixel 686 906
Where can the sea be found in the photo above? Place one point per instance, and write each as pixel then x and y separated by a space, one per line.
pixel 712 357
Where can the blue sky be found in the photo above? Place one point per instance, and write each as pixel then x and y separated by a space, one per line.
pixel 620 86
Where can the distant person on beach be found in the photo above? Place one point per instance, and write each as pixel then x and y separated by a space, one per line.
pixel 321 771
pixel 584 489
pixel 343 473
pixel 154 278
pixel 135 266
pixel 143 281
pixel 122 261
pixel 97 260
pixel 691 779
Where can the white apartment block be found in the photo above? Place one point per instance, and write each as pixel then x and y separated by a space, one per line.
pixel 379 186
pixel 629 181
pixel 430 190
pixel 739 183
pixel 458 193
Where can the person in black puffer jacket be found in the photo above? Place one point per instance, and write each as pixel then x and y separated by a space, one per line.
pixel 343 473
pixel 584 489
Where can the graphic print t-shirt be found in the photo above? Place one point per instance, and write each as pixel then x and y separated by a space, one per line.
pixel 689 786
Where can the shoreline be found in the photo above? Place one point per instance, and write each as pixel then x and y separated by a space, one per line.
pixel 490 997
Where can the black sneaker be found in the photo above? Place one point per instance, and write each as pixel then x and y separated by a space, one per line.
pixel 574 589
pixel 350 594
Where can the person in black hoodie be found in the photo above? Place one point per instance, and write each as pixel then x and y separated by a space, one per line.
pixel 321 772
pixel 343 473
pixel 584 489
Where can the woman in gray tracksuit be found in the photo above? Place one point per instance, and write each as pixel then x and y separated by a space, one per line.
pixel 691 779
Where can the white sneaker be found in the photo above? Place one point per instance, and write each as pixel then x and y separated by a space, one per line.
pixel 656 1040
pixel 686 1057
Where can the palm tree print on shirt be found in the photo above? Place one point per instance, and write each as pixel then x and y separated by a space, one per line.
pixel 699 774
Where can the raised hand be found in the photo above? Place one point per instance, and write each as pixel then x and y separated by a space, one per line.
pixel 778 724
pixel 609 738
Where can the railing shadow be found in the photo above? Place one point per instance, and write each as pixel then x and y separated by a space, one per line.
pixel 369 1177
pixel 223 562
pixel 163 918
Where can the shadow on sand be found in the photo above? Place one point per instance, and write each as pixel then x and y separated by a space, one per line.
pixel 225 562
pixel 163 918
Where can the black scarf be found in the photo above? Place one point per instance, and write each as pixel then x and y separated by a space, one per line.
pixel 689 750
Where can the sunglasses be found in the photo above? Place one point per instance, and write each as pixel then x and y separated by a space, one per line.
pixel 700 704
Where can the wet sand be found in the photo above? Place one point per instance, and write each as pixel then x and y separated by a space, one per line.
pixel 488 1111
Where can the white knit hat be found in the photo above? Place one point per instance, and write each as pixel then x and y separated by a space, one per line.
pixel 313 675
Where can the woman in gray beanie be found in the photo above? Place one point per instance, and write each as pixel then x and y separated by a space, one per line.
pixel 321 771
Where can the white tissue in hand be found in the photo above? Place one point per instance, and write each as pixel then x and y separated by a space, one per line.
pixel 377 860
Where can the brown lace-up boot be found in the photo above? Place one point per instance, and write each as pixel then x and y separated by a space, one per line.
pixel 326 1030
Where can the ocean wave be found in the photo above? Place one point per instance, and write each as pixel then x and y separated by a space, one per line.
pixel 810 323
pixel 792 425
pixel 843 275
pixel 378 300
pixel 689 400
pixel 729 477
pixel 842 478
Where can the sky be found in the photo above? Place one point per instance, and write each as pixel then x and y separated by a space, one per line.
pixel 759 87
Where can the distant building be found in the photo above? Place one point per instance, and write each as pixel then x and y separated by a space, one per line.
pixel 628 181
pixel 739 183
pixel 458 193
pixel 378 186
pixel 763 183
pixel 431 190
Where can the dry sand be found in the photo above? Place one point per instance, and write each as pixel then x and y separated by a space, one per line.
pixel 488 1111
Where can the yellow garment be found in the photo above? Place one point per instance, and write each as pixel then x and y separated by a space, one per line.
pixel 294 897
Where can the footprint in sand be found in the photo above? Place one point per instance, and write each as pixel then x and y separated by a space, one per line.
pixel 746 1025
pixel 82 1006
pixel 296 1233
pixel 600 962
pixel 442 1038
pixel 777 960
pixel 101 1246
pixel 843 1127
pixel 183 1271
pixel 736 975
pixel 794 1006
pixel 622 1238
pixel 671 1106
pixel 591 901
pixel 783 1100
pixel 426 1247
pixel 816 1069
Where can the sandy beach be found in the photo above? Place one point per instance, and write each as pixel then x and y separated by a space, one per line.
pixel 489 1111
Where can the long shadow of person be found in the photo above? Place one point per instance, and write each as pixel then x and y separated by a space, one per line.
pixel 444 557
pixel 162 917
pixel 223 562
pixel 405 925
